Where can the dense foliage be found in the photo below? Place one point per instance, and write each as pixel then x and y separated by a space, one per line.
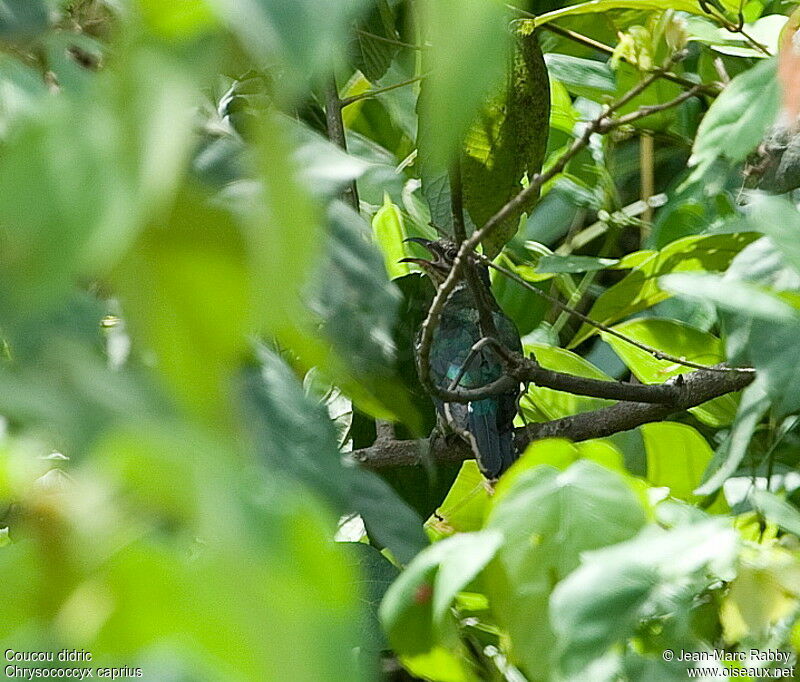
pixel 203 313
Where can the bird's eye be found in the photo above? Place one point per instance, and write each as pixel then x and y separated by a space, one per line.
pixel 451 254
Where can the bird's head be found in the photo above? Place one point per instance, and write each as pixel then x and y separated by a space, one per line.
pixel 443 254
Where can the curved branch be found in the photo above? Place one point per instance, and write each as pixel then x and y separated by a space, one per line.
pixel 695 389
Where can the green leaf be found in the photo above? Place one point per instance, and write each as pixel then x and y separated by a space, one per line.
pixel 194 266
pixel 415 609
pixel 563 116
pixel 548 519
pixel 600 6
pixel 387 226
pixel 561 454
pixel 583 77
pixel 639 289
pixel 573 264
pixel 657 93
pixel 681 341
pixel 507 140
pixel 22 20
pixel 294 36
pixel 182 20
pixel 654 575
pixel 777 510
pixel 376 574
pixel 470 44
pixel 737 120
pixel 358 308
pixel 464 508
pixel 764 593
pixel 731 296
pixel 729 456
pixel 74 212
pixel 767 343
pixel 374 56
pixel 22 91
pixel 294 436
pixel 677 457
pixel 543 404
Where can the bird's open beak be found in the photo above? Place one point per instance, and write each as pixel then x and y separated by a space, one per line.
pixel 425 243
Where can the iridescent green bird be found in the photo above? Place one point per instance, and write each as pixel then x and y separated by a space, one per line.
pixel 487 423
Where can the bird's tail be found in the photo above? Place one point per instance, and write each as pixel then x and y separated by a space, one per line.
pixel 493 446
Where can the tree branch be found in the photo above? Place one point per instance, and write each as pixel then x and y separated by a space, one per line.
pixel 692 390
pixel 512 207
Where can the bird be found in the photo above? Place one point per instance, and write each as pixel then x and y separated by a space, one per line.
pixel 488 424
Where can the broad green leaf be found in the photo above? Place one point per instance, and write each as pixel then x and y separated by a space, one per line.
pixel 548 519
pixel 681 341
pixel 22 91
pixel 464 508
pixel 767 343
pixel 677 457
pixel 117 546
pixel 387 226
pixel 22 20
pixel 440 664
pixel 657 574
pixel 295 437
pixel 543 404
pixel 74 211
pixel 582 77
pixel 729 455
pixel 573 264
pixel 563 116
pixel 293 35
pixel 777 510
pixel 737 120
pixel 765 591
pixel 640 289
pixel 507 140
pixel 373 56
pixel 186 291
pixel 731 296
pixel 779 219
pixel 358 308
pixel 184 19
pixel 659 92
pixel 376 574
pixel 415 610
pixel 600 6
pixel 469 51
pixel 561 454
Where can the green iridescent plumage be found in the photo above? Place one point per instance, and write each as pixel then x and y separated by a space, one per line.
pixel 488 422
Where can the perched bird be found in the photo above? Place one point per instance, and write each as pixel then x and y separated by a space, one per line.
pixel 487 423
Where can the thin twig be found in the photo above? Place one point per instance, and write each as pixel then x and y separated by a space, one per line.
pixel 473 352
pixel 367 94
pixel 648 110
pixel 485 319
pixel 655 352
pixel 390 41
pixel 333 117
